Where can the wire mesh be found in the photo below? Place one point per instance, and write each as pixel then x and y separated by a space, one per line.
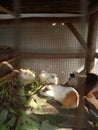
pixel 46 38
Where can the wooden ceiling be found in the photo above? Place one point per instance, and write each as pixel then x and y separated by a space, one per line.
pixel 48 6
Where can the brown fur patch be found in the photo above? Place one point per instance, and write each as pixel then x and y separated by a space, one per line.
pixel 70 101
pixel 93 94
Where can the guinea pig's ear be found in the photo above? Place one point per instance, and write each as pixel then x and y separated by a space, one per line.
pixel 72 75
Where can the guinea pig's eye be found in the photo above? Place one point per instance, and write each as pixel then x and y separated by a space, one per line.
pixel 45 89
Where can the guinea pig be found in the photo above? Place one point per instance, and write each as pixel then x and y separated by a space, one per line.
pixel 26 76
pixel 67 96
pixel 48 78
pixel 73 79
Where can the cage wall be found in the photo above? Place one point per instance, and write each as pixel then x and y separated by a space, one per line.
pixel 46 38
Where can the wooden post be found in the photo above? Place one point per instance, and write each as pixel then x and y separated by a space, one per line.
pixel 91 43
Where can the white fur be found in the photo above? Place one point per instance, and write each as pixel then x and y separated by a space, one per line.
pixel 73 81
pixel 58 92
pixel 48 77
pixel 26 76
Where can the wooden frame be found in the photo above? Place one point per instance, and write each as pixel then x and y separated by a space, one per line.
pixel 39 20
pixel 77 35
pixel 50 20
pixel 91 43
pixel 89 46
pixel 52 55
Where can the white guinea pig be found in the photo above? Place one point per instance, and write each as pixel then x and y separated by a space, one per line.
pixel 26 76
pixel 48 78
pixel 67 96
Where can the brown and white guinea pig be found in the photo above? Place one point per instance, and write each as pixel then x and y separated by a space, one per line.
pixel 67 96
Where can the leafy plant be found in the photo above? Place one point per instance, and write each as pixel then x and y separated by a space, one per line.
pixel 7 91
pixel 47 126
pixel 25 123
pixel 33 88
pixel 3 117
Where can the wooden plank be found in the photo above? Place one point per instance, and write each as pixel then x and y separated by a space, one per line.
pixel 14 73
pixel 77 35
pixel 6 53
pixel 91 43
pixel 50 6
pixel 93 9
pixel 52 55
pixel 7 66
pixel 7 11
pixel 39 20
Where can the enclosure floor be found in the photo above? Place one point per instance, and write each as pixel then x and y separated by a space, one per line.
pixel 74 119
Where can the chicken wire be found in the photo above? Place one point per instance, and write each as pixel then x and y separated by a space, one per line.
pixel 46 38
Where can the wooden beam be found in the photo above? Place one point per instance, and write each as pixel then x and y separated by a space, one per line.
pixel 6 53
pixel 7 11
pixel 77 35
pixel 14 73
pixel 49 6
pixel 9 65
pixel 52 55
pixel 91 42
pixel 93 9
pixel 39 20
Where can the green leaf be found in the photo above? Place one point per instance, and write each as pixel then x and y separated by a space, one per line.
pixel 46 126
pixel 21 94
pixel 11 122
pixel 11 110
pixel 32 103
pixel 4 83
pixel 3 127
pixel 27 124
pixel 3 115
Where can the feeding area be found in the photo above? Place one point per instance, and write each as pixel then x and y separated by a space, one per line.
pixel 48 65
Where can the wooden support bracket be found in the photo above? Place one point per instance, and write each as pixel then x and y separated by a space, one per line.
pixel 77 35
pixel 7 11
pixel 52 55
